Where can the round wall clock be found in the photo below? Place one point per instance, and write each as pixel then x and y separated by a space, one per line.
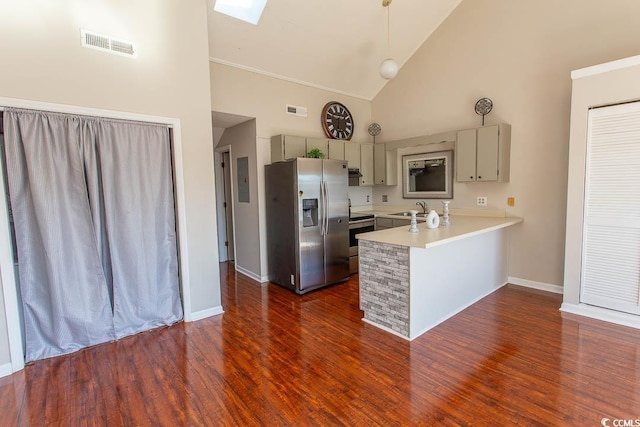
pixel 337 121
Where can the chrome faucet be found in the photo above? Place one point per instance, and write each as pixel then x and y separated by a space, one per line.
pixel 423 205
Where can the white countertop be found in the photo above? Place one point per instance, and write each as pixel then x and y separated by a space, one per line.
pixel 461 227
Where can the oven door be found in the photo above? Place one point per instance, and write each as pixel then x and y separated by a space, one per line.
pixel 355 228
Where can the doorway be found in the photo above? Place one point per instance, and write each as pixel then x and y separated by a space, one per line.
pixel 224 144
pixel 224 203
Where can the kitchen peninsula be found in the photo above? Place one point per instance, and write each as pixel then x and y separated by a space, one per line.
pixel 410 282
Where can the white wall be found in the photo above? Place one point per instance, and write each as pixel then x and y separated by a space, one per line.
pixel 217 134
pixel 42 60
pixel 242 140
pixel 520 55
pixel 361 196
pixel 240 92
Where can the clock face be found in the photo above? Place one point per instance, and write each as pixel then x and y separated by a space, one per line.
pixel 337 121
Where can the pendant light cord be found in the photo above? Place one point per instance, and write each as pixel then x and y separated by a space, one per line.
pixel 389 67
pixel 388 30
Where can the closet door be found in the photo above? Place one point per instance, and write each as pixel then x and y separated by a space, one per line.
pixel 611 245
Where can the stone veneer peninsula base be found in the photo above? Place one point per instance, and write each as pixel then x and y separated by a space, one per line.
pixel 411 282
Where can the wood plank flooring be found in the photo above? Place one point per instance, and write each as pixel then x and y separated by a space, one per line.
pixel 278 359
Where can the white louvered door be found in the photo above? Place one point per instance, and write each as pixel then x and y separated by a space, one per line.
pixel 611 237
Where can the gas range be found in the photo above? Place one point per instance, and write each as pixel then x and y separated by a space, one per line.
pixel 355 216
pixel 358 223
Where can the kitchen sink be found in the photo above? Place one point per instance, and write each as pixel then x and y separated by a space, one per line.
pixel 423 215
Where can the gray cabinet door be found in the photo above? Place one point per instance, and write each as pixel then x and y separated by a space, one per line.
pixel 366 164
pixel 466 156
pixel 336 149
pixel 382 223
pixel 380 164
pixel 487 153
pixel 287 147
pixel 401 222
pixel 294 146
pixel 320 144
pixel 352 154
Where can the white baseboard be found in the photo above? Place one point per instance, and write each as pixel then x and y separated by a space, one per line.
pixel 251 274
pixel 612 316
pixel 203 314
pixel 536 285
pixel 5 370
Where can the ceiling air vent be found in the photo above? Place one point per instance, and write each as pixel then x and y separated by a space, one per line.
pixel 106 44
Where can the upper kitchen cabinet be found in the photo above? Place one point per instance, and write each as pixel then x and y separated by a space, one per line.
pixel 360 156
pixel 366 164
pixel 285 147
pixel 385 165
pixel 482 154
pixel 336 149
pixel 352 154
pixel 331 148
pixel 319 143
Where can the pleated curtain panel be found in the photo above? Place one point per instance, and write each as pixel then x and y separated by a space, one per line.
pixel 94 220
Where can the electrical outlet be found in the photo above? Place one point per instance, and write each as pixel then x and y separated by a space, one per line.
pixel 385 198
pixel 482 201
pixel 511 201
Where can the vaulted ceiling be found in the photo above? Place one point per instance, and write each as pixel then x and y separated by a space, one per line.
pixel 331 44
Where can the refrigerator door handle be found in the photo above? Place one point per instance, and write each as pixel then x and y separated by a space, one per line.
pixel 326 208
pixel 323 195
pixel 322 208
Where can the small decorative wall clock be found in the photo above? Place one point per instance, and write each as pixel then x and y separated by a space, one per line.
pixel 484 107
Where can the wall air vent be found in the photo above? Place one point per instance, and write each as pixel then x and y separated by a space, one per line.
pixel 296 111
pixel 107 44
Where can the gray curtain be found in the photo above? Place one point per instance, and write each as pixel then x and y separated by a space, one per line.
pixel 94 223
pixel 139 224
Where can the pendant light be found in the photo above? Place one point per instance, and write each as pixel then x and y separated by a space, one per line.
pixel 388 68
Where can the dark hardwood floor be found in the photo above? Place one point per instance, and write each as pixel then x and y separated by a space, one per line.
pixel 276 358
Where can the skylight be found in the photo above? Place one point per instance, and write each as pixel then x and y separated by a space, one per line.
pixel 245 10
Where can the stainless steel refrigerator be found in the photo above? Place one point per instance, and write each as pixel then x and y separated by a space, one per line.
pixel 307 223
